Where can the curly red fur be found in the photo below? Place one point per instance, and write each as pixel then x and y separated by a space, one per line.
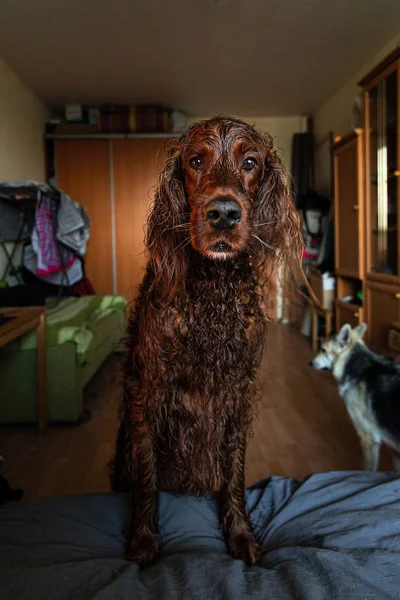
pixel 195 336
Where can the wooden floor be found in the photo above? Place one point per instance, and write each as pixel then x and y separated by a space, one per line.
pixel 302 427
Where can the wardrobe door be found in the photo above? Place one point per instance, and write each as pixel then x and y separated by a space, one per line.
pixel 349 205
pixel 83 172
pixel 136 165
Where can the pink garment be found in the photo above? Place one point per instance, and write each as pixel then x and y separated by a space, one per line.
pixel 312 247
pixel 52 257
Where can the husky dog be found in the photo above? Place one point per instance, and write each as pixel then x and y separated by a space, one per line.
pixel 370 387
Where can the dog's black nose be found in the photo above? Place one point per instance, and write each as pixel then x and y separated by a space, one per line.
pixel 223 214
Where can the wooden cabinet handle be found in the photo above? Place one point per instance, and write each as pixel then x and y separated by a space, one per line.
pixel 396 173
pixel 356 314
pixel 397 296
pixel 355 207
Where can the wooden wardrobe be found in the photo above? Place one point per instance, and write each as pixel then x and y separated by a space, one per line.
pixel 367 209
pixel 114 179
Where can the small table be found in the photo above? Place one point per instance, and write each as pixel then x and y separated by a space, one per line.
pixel 27 319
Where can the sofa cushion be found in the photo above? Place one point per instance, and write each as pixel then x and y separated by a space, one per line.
pixel 85 321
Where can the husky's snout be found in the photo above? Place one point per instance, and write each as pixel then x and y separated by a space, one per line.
pixel 320 363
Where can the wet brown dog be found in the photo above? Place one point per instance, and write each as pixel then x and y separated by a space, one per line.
pixel 222 219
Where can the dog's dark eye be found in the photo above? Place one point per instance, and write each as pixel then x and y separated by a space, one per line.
pixel 249 163
pixel 195 163
pixel 323 350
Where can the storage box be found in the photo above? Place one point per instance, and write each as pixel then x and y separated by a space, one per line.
pixel 73 112
pixel 94 116
pixel 323 287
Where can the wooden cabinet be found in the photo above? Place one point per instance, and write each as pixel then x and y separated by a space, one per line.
pixel 382 193
pixel 348 160
pixel 349 205
pixel 383 309
pixel 349 307
pixel 114 179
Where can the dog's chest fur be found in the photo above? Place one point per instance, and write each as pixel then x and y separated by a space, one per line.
pixel 208 345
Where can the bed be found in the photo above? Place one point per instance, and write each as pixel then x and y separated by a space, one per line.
pixel 335 535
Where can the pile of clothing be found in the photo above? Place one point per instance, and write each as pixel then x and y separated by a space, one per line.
pixel 59 237
pixel 59 232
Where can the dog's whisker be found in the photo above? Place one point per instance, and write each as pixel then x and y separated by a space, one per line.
pixel 264 243
pixel 268 223
pixel 182 226
pixel 183 244
pixel 251 250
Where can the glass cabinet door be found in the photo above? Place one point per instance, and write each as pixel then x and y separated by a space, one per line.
pixel 383 177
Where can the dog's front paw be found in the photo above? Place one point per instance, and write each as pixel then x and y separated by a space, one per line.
pixel 244 547
pixel 143 550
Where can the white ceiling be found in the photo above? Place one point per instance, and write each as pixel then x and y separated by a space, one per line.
pixel 249 57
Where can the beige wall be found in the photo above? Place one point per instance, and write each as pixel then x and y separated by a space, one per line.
pixel 281 129
pixel 22 119
pixel 335 114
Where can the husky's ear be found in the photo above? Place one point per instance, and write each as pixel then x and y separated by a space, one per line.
pixel 343 337
pixel 360 330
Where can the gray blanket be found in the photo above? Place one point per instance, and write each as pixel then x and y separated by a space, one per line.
pixel 336 535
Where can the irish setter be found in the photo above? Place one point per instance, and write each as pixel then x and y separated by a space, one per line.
pixel 222 219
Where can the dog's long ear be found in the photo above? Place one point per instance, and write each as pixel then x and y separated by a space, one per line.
pixel 343 337
pixel 274 213
pixel 165 239
pixel 360 330
pixel 276 219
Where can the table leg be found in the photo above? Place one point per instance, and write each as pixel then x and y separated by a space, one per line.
pixel 41 375
pixel 328 324
pixel 314 330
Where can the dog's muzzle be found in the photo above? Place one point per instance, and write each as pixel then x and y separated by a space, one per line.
pixel 317 367
pixel 221 247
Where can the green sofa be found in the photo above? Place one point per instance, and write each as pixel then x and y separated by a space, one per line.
pixel 81 333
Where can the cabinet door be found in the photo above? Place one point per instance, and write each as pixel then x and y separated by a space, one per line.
pixel 83 172
pixel 349 205
pixel 136 165
pixel 383 304
pixel 353 315
pixel 382 181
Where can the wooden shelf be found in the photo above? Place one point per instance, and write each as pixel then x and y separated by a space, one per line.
pixel 387 230
pixel 391 127
pixel 340 142
pixel 390 177
pixel 348 312
pixel 108 136
pixel 350 306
